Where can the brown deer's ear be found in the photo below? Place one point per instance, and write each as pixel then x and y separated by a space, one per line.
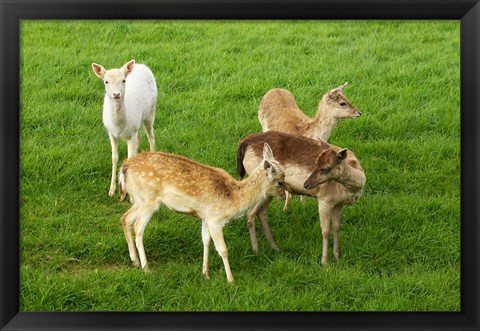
pixel 342 154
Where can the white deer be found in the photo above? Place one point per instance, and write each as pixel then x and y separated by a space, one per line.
pixel 130 101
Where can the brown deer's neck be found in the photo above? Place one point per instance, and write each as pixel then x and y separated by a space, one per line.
pixel 353 178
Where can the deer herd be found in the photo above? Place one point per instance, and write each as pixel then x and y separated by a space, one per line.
pixel 290 156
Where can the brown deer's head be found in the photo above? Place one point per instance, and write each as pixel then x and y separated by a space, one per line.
pixel 328 166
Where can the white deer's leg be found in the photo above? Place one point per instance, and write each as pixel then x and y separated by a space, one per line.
pixel 337 222
pixel 144 216
pixel 128 219
pixel 206 249
pixel 132 145
pixel 262 216
pixel 325 218
pixel 287 199
pixel 150 135
pixel 114 143
pixel 216 231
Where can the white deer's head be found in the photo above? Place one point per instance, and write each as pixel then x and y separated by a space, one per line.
pixel 114 79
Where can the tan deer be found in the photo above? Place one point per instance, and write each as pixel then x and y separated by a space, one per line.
pixel 182 185
pixel 307 164
pixel 278 111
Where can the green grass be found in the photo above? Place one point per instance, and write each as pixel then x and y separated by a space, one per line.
pixel 400 242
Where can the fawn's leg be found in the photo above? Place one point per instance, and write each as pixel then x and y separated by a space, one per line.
pixel 251 214
pixel 216 231
pixel 262 216
pixel 144 216
pixel 206 249
pixel 128 219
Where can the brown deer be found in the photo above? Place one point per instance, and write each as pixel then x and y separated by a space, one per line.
pixel 278 111
pixel 307 164
pixel 182 185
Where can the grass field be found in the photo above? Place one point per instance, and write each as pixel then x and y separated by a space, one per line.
pixel 400 242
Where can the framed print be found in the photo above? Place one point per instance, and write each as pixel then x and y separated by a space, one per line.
pixel 348 129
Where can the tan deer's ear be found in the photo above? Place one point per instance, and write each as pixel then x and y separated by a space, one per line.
pixel 342 154
pixel 341 87
pixel 333 95
pixel 98 70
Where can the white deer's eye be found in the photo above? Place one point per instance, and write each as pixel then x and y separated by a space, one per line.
pixel 124 81
pixel 106 82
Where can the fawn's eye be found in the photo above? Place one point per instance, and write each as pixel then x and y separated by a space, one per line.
pixel 280 183
pixel 343 104
pixel 106 82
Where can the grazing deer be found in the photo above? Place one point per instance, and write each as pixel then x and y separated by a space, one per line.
pixel 185 186
pixel 130 101
pixel 307 164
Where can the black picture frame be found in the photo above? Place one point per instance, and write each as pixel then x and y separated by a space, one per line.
pixel 467 11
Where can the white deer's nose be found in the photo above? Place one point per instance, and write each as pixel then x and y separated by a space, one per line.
pixel 116 95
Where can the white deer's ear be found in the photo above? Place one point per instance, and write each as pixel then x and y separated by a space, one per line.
pixel 267 152
pixel 128 67
pixel 98 70
pixel 341 87
pixel 342 154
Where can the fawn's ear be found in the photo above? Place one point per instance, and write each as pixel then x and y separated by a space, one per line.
pixel 341 87
pixel 128 67
pixel 269 168
pixel 98 70
pixel 342 154
pixel 267 152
